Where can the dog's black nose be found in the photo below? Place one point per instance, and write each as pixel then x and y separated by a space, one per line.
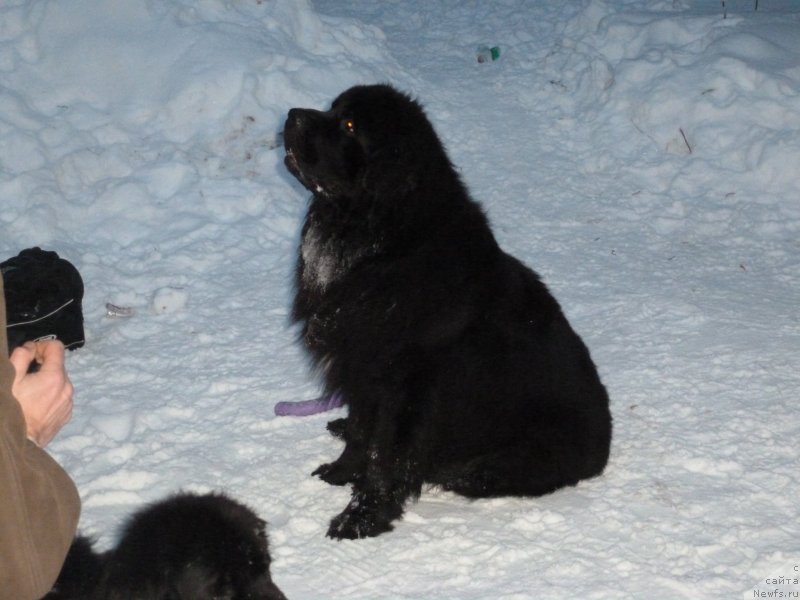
pixel 295 116
pixel 295 122
pixel 302 117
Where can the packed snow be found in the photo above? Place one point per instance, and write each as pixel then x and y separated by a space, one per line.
pixel 642 155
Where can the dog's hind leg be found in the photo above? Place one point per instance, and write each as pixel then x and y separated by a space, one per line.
pixel 504 473
pixel 532 467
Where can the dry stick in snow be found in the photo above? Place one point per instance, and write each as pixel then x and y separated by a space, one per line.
pixel 685 140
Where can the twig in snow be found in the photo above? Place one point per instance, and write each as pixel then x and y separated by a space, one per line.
pixel 725 9
pixel 640 130
pixel 685 140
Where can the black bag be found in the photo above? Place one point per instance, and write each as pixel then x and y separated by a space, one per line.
pixel 43 299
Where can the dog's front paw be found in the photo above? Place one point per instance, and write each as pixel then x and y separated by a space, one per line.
pixel 356 522
pixel 338 428
pixel 335 473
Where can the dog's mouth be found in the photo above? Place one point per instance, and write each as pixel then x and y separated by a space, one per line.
pixel 293 165
pixel 291 162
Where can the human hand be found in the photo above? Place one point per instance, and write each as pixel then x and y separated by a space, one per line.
pixel 46 395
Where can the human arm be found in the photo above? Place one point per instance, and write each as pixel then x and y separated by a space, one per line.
pixel 46 395
pixel 39 505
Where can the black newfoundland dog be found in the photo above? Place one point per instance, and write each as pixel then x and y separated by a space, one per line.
pixel 187 547
pixel 457 365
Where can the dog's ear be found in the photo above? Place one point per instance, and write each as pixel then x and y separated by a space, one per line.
pixel 391 171
pixel 80 574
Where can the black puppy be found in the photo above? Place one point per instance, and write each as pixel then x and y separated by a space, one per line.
pixel 187 547
pixel 458 366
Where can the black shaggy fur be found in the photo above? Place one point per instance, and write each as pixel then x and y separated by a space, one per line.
pixel 187 547
pixel 457 365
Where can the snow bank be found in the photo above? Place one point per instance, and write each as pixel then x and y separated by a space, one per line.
pixel 142 103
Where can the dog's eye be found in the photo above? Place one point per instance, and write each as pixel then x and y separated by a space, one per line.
pixel 349 126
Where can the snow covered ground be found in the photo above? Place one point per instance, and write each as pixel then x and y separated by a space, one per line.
pixel 642 155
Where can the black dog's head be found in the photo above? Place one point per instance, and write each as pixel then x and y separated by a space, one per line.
pixel 185 547
pixel 191 547
pixel 374 140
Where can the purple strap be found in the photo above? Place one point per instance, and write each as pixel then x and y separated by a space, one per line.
pixel 303 408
